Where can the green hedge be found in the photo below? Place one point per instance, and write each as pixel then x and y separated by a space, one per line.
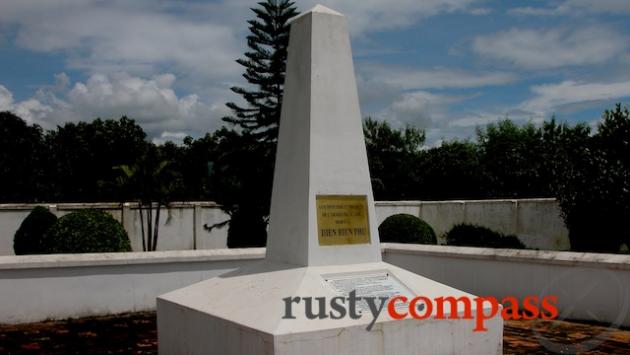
pixel 28 238
pixel 470 235
pixel 87 231
pixel 405 228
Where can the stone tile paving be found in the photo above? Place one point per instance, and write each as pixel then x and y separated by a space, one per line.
pixel 561 337
pixel 135 333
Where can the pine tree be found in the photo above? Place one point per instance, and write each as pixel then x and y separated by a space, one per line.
pixel 265 64
pixel 243 168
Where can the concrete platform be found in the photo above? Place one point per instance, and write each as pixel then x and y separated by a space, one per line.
pixel 241 313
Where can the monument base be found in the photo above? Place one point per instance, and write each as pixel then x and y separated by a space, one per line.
pixel 241 313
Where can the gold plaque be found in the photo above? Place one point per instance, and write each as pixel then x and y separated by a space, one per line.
pixel 342 220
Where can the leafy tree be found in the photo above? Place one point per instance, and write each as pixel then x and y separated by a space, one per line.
pixel 592 177
pixel 151 182
pixel 510 155
pixel 83 155
pixel 613 141
pixel 265 66
pixel 450 171
pixel 197 166
pixel 22 159
pixel 561 142
pixel 242 176
pixel 243 168
pixel 392 157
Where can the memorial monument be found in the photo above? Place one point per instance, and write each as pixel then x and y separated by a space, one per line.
pixel 323 243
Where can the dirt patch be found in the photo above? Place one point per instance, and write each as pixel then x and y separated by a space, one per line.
pixel 131 333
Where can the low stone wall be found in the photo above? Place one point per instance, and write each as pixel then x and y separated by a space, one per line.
pixel 536 222
pixel 592 287
pixel 589 286
pixel 38 287
pixel 181 227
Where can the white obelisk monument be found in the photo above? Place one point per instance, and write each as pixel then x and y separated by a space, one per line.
pixel 323 238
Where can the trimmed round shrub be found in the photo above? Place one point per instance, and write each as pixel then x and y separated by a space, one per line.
pixel 28 238
pixel 87 231
pixel 469 235
pixel 405 228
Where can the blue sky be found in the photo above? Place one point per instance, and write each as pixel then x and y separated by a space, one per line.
pixel 446 66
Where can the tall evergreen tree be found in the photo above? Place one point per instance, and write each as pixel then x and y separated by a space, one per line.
pixel 243 165
pixel 265 65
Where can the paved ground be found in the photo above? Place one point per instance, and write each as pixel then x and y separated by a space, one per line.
pixel 560 337
pixel 135 334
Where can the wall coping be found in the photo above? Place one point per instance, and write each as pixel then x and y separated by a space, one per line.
pixel 593 260
pixel 129 258
pixel 191 204
pixel 422 202
pixel 98 205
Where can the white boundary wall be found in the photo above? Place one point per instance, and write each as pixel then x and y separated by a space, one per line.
pixel 32 288
pixel 589 286
pixel 180 229
pixel 536 222
pixel 38 287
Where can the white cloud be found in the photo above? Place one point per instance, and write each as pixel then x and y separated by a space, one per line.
pixel 378 15
pixel 421 109
pixel 404 92
pixel 166 136
pixel 195 41
pixel 474 120
pixel 6 99
pixel 31 110
pixel 148 100
pixel 483 118
pixel 549 98
pixel 552 48
pixel 199 39
pixel 389 86
pixel 577 7
pixel 434 78
pixel 138 37
pixel 152 102
pixel 480 11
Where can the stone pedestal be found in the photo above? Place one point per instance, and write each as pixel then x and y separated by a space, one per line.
pixel 322 236
pixel 241 313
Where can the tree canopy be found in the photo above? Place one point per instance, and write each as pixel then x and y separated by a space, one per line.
pixel 243 166
pixel 265 66
pixel 588 172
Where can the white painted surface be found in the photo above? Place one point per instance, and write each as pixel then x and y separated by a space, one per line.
pixel 240 312
pixel 593 287
pixel 38 287
pixel 10 221
pixel 180 229
pixel 321 148
pixel 321 151
pixel 536 222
